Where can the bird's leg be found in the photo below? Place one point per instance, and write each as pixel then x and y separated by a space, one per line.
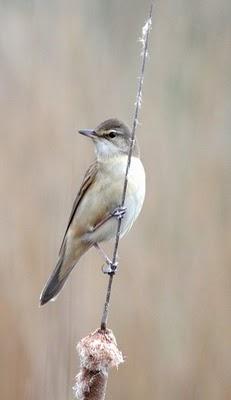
pixel 102 252
pixel 118 213
pixel 110 267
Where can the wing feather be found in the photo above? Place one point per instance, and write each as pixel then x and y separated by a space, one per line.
pixel 89 178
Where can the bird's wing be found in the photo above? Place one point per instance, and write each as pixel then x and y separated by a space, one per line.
pixel 87 182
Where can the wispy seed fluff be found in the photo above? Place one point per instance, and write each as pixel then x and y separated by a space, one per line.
pixel 98 352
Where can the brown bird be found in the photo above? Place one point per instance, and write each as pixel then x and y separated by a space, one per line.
pixel 97 208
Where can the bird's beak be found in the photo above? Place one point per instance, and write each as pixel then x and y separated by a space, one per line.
pixel 87 132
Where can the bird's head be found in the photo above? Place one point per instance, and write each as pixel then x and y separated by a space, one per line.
pixel 111 138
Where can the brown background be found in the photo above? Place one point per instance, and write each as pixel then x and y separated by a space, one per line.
pixel 69 65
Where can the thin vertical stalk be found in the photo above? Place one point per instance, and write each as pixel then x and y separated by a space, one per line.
pixel 145 41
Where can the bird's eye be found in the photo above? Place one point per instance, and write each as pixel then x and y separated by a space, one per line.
pixel 111 135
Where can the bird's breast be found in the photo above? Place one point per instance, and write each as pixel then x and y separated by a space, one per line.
pixel 115 175
pixel 105 194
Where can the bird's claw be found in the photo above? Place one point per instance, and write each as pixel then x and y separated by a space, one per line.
pixel 119 212
pixel 109 268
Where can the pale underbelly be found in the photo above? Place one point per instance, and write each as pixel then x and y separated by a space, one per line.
pixel 108 230
pixel 108 197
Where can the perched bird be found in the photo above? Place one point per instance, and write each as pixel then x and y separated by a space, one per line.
pixel 95 213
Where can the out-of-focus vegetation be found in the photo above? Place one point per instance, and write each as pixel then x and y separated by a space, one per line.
pixel 69 65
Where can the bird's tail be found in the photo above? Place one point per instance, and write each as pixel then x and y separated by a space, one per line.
pixel 54 284
pixel 59 276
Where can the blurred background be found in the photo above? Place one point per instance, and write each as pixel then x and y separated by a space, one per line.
pixel 70 65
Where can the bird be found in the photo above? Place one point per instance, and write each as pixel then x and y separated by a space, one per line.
pixel 97 207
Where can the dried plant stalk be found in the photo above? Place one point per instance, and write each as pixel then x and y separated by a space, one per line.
pixel 144 42
pixel 98 352
pixel 91 385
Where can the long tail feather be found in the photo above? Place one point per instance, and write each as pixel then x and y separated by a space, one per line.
pixel 54 283
pixel 66 263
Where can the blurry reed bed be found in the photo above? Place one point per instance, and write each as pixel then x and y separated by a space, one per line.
pixel 70 65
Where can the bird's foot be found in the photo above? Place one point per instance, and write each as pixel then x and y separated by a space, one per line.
pixel 119 212
pixel 110 267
